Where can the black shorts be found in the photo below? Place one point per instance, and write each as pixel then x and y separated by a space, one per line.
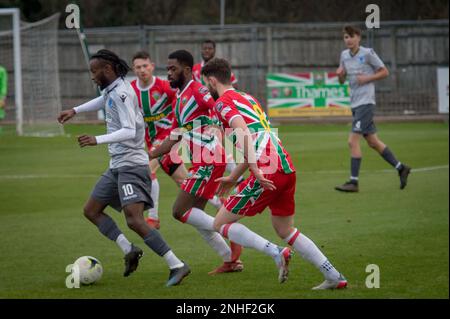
pixel 363 119
pixel 123 186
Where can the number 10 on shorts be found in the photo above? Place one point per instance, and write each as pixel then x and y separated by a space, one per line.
pixel 128 189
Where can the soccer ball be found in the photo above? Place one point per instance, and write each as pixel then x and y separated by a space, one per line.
pixel 90 269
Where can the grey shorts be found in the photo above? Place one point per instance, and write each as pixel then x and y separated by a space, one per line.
pixel 363 119
pixel 123 186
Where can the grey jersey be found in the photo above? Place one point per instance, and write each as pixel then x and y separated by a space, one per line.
pixel 366 62
pixel 122 111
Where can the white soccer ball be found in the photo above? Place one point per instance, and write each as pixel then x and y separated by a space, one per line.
pixel 90 269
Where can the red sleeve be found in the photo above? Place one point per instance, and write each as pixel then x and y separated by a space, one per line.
pixel 203 97
pixel 226 111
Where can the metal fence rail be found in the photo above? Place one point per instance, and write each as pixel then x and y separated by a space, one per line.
pixel 412 50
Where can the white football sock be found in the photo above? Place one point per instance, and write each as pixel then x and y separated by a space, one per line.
pixel 217 243
pixel 215 201
pixel 309 251
pixel 172 260
pixel 123 243
pixel 199 219
pixel 154 193
pixel 204 224
pixel 243 236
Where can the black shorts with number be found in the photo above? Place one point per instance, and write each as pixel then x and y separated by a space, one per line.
pixel 123 186
pixel 363 119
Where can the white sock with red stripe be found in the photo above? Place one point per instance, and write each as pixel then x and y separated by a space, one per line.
pixel 216 202
pixel 154 193
pixel 217 243
pixel 309 251
pixel 245 237
pixel 204 224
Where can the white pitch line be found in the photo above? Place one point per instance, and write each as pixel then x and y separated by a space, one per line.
pixel 432 168
pixel 414 170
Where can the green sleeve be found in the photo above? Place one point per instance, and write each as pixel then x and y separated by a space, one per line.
pixel 3 82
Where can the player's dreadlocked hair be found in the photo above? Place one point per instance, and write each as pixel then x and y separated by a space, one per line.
pixel 119 66
pixel 184 57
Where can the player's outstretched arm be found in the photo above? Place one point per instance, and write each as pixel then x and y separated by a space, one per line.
pixel 92 105
pixel 66 115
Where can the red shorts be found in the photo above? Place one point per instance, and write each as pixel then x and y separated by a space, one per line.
pixel 200 180
pixel 251 198
pixel 169 162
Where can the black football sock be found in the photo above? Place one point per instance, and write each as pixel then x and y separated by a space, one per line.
pixel 156 242
pixel 355 164
pixel 109 228
pixel 390 158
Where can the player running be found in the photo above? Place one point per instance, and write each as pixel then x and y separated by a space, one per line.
pixel 155 97
pixel 271 183
pixel 208 52
pixel 126 184
pixel 192 122
pixel 363 67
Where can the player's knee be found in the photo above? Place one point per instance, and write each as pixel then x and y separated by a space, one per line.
pixel 177 213
pixel 283 232
pixel 373 144
pixel 88 213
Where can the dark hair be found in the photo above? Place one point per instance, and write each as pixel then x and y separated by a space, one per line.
pixel 184 57
pixel 219 68
pixel 210 41
pixel 141 55
pixel 351 30
pixel 119 66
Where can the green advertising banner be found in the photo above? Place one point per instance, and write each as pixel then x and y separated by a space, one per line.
pixel 307 94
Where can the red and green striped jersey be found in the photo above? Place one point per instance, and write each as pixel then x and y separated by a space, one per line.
pixel 197 73
pixel 270 153
pixel 192 112
pixel 156 104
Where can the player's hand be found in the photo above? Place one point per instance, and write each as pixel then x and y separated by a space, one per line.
pixel 86 140
pixel 151 154
pixel 340 71
pixel 226 185
pixel 265 183
pixel 66 115
pixel 2 103
pixel 363 79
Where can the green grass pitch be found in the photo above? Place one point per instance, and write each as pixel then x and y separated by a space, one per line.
pixel 44 183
